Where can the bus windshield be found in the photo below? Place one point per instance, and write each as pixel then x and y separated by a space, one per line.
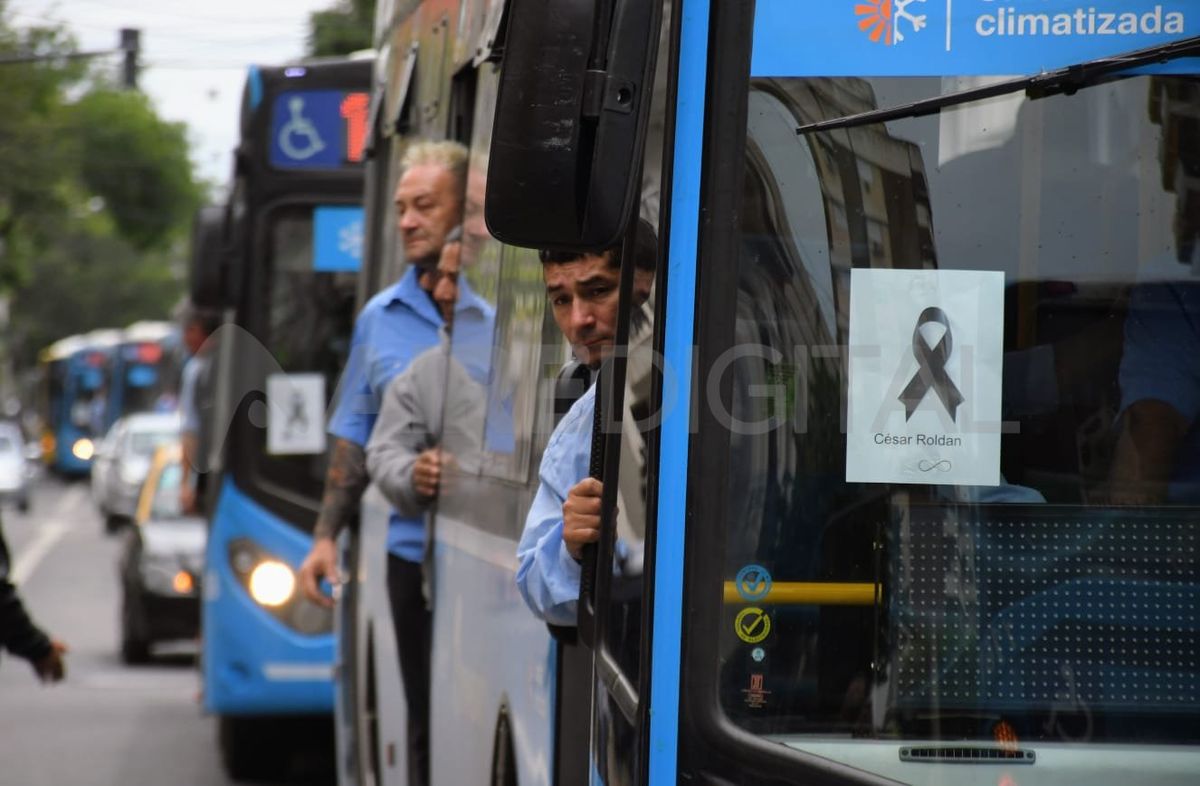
pixel 307 317
pixel 1057 604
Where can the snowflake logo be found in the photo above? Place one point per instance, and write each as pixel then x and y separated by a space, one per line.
pixel 880 19
pixel 350 239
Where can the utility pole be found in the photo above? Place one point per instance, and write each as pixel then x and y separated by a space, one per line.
pixel 131 45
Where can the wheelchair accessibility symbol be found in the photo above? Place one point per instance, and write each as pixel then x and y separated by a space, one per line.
pixel 298 138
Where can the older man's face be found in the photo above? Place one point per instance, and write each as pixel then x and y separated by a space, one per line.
pixel 427 208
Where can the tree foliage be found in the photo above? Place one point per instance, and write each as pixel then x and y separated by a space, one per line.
pixel 136 163
pixel 89 280
pixel 32 143
pixel 345 28
pixel 96 197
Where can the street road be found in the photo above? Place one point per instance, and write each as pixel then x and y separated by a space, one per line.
pixel 107 723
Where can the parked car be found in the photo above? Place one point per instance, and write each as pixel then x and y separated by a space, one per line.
pixel 162 560
pixel 15 472
pixel 122 460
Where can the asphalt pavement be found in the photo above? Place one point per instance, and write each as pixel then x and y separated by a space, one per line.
pixel 107 724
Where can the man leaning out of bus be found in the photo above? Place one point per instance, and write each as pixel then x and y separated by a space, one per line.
pixel 565 514
pixel 394 327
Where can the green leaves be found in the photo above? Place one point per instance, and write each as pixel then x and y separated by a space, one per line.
pixel 96 196
pixel 136 163
pixel 343 29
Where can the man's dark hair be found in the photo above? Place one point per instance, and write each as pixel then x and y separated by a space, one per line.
pixel 645 255
pixel 207 319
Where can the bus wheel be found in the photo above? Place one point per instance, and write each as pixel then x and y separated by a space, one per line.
pixel 242 754
pixel 135 648
pixel 504 761
pixel 112 522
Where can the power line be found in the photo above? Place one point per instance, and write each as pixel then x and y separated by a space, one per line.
pixel 50 58
pixel 182 65
pixel 192 18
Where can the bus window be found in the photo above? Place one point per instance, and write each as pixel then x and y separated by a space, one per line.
pixel 894 611
pixel 308 317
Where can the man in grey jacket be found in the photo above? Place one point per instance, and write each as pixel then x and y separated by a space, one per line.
pixel 404 458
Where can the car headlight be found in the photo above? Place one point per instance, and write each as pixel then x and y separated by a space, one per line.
pixel 271 583
pixel 83 449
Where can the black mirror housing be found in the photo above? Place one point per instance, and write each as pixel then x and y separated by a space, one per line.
pixel 570 124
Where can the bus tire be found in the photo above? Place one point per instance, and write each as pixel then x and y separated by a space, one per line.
pixel 135 647
pixel 504 760
pixel 242 754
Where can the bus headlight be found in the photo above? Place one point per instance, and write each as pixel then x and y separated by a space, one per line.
pixel 83 449
pixel 272 583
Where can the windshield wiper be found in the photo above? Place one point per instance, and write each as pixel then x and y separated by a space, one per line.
pixel 1061 80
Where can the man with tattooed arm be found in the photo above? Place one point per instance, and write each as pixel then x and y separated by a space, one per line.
pixel 394 327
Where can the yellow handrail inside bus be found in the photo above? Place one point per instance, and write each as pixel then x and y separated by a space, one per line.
pixel 811 593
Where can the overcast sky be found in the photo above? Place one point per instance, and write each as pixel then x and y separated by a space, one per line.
pixel 194 55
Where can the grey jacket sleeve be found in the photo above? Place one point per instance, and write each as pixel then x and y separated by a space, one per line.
pixel 400 434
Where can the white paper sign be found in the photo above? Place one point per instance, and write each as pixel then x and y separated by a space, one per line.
pixel 926 353
pixel 295 414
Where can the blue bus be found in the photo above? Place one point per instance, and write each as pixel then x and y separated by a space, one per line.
pixel 280 259
pixel 144 370
pixel 73 375
pixel 902 471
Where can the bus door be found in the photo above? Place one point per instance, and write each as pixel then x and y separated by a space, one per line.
pixel 932 300
pixel 922 491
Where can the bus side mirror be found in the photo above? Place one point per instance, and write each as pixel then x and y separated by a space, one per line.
pixel 570 124
pixel 207 274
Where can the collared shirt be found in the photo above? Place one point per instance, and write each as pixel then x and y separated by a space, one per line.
pixel 396 326
pixel 547 574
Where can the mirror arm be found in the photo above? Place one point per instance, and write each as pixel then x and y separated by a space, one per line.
pixel 601 33
pixel 594 85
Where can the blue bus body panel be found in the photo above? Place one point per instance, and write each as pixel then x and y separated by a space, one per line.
pixel 81 377
pixel 64 460
pixel 252 663
pixel 677 350
pixel 494 653
pixel 960 37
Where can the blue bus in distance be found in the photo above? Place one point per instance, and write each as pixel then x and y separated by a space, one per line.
pixel 72 379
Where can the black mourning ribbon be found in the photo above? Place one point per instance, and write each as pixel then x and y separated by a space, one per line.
pixel 931 367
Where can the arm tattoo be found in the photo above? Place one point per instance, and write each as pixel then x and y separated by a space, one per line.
pixel 345 482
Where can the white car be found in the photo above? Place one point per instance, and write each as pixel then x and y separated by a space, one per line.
pixel 15 471
pixel 122 460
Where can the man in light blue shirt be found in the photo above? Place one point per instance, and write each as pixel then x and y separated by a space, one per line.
pixel 565 514
pixel 393 328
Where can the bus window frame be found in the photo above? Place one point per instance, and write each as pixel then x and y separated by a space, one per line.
pixel 710 742
pixel 244 457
